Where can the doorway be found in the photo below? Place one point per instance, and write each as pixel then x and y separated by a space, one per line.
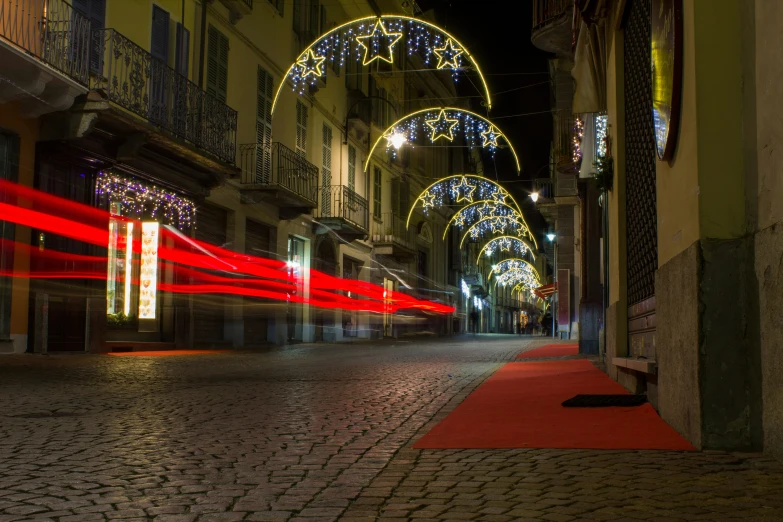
pixel 640 195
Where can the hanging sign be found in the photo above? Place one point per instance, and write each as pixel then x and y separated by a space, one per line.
pixel 666 55
pixel 148 280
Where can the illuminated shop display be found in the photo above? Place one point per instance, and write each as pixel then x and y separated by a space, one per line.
pixel 441 125
pixel 371 40
pixel 119 274
pixel 148 279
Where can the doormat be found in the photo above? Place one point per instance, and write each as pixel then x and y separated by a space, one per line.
pixel 604 401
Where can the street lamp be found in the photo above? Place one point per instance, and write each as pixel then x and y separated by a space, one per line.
pixel 553 238
pixel 534 196
pixel 397 140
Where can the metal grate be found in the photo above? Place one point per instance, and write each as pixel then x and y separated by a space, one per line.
pixel 642 236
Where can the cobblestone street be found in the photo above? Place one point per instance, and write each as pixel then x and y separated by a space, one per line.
pixel 321 433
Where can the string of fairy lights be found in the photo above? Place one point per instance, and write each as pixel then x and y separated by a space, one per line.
pixel 140 200
pixel 367 41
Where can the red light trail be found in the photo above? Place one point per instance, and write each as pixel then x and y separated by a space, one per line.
pixel 188 258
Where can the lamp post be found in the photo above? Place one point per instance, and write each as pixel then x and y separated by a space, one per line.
pixel 553 239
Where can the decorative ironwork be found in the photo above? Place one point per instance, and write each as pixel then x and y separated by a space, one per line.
pixel 544 11
pixel 148 87
pixel 392 230
pixel 52 31
pixel 281 166
pixel 344 203
pixel 642 234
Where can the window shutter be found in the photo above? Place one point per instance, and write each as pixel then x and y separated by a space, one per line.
pixel 405 198
pixel 159 47
pixel 217 64
pixel 301 129
pixel 395 196
pixel 264 127
pixel 95 10
pixel 352 167
pixel 326 172
pixel 298 16
pixel 182 58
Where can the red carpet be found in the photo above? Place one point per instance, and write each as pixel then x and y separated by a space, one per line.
pixel 165 353
pixel 520 407
pixel 550 350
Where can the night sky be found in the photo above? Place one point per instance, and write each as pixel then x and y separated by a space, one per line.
pixel 497 33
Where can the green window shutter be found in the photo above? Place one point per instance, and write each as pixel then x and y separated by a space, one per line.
pixel 217 64
pixel 395 196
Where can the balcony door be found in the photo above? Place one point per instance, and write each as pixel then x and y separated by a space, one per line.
pixel 159 49
pixel 640 196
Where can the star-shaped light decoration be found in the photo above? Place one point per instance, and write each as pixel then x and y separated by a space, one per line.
pixel 497 224
pixel 490 137
pixel 486 210
pixel 500 196
pixel 378 41
pixel 311 64
pixel 442 126
pixel 460 219
pixel 428 199
pixel 505 245
pixel 464 191
pixel 522 231
pixel 474 233
pixel 448 55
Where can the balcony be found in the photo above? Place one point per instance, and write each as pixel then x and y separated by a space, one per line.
pixel 237 9
pixel 45 55
pixel 359 118
pixel 391 238
pixel 278 175
pixel 147 87
pixel 341 211
pixel 552 26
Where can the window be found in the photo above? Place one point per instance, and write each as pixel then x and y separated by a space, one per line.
pixel 95 10
pixel 326 171
pixel 159 47
pixel 352 167
pixel 301 128
pixel 400 197
pixel 264 95
pixel 379 106
pixel 376 193
pixel 9 170
pixel 279 5
pixel 182 56
pixel 306 20
pixel 353 69
pixel 217 64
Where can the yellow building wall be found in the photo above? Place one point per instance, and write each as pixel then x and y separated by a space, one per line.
pixel 677 181
pixel 28 130
pixel 719 103
pixel 616 208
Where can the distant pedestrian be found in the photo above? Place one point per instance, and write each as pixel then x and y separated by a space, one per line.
pixel 474 321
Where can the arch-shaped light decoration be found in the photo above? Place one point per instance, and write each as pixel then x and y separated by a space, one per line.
pixel 509 244
pixel 495 225
pixel 521 287
pixel 478 210
pixel 441 125
pixel 374 39
pixel 469 189
pixel 517 276
pixel 513 263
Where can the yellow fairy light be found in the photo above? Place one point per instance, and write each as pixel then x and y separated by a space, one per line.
pixel 448 55
pixel 490 136
pixel 528 249
pixel 469 190
pixel 436 124
pixel 379 31
pixel 428 199
pixel 311 64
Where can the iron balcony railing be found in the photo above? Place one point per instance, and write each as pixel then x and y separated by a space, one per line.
pixel 52 31
pixel 545 11
pixel 276 164
pixel 391 230
pixel 148 87
pixel 543 186
pixel 248 3
pixel 339 201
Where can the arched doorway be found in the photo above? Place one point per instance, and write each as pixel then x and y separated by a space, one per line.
pixel 325 262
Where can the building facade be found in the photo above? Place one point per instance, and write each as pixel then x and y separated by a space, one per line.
pixel 164 114
pixel 692 205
